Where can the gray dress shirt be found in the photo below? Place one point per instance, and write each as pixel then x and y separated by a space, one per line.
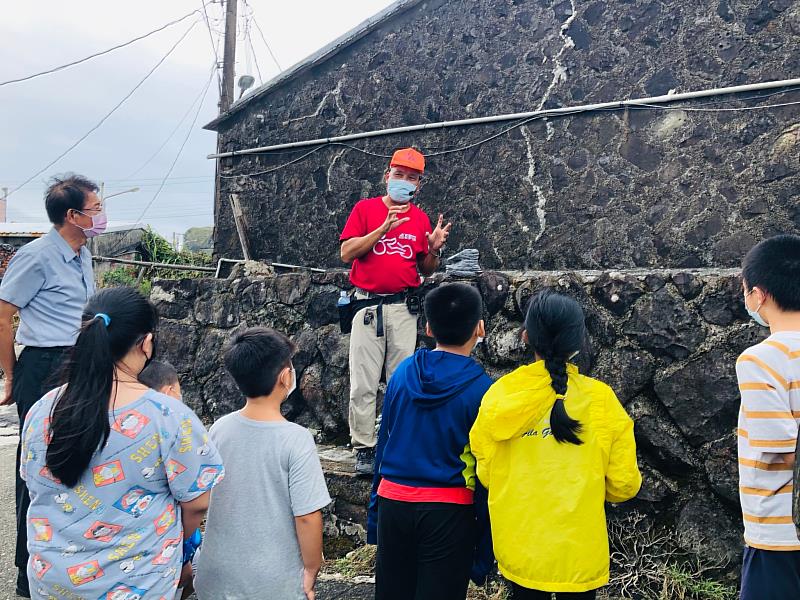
pixel 50 285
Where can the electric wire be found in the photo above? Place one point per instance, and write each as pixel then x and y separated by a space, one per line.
pixel 180 150
pixel 175 130
pixel 97 54
pixel 269 48
pixel 523 122
pixel 111 112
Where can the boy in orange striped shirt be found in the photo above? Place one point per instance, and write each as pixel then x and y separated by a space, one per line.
pixel 769 382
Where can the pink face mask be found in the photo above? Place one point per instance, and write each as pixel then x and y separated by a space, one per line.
pixel 99 225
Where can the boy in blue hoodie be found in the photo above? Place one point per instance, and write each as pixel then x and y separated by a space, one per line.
pixel 422 513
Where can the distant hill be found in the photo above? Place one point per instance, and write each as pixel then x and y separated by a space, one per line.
pixel 199 239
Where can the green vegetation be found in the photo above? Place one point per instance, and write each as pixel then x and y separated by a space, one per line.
pixel 661 574
pixel 649 562
pixel 157 250
pixel 681 583
pixel 357 563
pixel 126 276
pixel 199 239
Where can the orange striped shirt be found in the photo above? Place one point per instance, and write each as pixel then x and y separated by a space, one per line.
pixel 769 384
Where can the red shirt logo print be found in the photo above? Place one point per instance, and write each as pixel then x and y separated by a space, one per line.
pixel 393 246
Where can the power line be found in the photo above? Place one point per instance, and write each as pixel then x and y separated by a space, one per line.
pixel 733 109
pixel 111 112
pixel 174 131
pixel 180 150
pixel 96 54
pixel 214 46
pixel 118 184
pixel 255 56
pixel 520 124
pixel 278 168
pixel 264 39
pixel 172 166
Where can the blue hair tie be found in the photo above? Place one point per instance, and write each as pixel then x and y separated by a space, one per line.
pixel 105 317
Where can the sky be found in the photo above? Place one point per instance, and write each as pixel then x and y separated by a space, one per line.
pixel 137 144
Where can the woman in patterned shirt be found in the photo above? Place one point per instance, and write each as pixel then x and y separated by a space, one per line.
pixel 119 474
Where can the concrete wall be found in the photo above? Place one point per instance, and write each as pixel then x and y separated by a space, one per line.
pixel 650 188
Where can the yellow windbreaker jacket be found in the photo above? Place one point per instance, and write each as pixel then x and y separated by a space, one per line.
pixel 546 499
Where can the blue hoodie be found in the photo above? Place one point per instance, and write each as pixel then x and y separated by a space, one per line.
pixel 431 402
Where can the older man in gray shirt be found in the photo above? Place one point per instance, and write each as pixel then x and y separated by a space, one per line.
pixel 47 282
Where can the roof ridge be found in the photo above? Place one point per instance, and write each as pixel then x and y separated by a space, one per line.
pixel 328 51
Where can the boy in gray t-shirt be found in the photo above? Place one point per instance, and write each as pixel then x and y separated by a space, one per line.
pixel 264 532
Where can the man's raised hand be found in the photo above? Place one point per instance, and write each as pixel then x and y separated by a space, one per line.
pixel 393 219
pixel 438 237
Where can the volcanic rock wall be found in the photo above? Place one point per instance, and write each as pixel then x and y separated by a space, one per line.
pixel 648 187
pixel 666 341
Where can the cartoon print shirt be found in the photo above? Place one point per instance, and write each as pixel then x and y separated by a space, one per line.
pixel 117 534
pixel 391 266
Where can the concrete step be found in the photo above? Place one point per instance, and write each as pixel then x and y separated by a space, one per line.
pixel 346 517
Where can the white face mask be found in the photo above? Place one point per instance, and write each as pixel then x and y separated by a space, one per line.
pixel 754 314
pixel 293 387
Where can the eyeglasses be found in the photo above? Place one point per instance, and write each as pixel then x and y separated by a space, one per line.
pixel 91 210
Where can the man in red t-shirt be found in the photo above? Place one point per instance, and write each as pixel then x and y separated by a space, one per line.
pixel 391 244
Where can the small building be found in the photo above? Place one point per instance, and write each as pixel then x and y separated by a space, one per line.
pixel 120 238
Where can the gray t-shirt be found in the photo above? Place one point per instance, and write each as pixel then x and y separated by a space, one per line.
pixel 272 475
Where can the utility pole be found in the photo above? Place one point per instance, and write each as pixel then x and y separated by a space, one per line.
pixel 4 205
pixel 229 57
pixel 225 96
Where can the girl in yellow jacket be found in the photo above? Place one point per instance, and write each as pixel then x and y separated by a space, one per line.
pixel 552 446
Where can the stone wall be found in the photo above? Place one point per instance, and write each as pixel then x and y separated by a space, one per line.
pixel 648 188
pixel 666 341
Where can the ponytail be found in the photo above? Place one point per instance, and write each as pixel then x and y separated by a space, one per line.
pixel 114 321
pixel 79 421
pixel 556 329
pixel 563 427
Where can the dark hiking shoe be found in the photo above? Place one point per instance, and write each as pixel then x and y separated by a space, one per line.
pixel 365 461
pixel 23 589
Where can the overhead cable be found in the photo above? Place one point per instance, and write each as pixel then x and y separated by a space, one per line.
pixel 96 54
pixel 107 115
pixel 199 96
pixel 180 150
pixel 269 49
pixel 519 123
pixel 539 113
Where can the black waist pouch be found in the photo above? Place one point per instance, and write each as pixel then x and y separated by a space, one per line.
pixel 348 311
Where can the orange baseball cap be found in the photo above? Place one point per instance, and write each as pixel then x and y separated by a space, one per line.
pixel 408 157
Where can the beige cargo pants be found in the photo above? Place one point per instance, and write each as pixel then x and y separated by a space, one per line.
pixel 368 353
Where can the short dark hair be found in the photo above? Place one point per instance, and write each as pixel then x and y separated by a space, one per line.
pixel 255 357
pixel 65 193
pixel 158 375
pixel 453 311
pixel 773 266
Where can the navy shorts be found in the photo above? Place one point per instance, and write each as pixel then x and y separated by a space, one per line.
pixel 770 574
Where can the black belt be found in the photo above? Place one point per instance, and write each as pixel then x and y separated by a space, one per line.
pixel 377 300
pixel 398 298
pixel 47 349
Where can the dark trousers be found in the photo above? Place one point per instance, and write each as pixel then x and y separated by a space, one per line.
pixel 521 593
pixel 425 550
pixel 37 372
pixel 770 574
